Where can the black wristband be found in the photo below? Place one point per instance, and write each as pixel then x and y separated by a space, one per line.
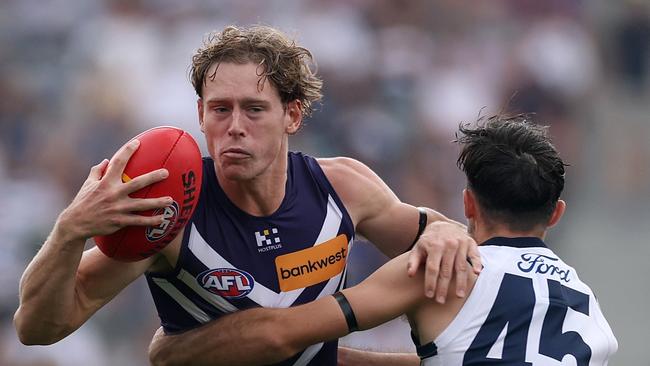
pixel 347 312
pixel 422 222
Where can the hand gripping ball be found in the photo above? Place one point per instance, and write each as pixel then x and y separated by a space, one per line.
pixel 160 147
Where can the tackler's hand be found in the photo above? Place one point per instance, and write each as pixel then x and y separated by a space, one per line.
pixel 444 248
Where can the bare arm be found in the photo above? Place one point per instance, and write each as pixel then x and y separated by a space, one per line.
pixel 352 357
pixel 263 336
pixel 392 225
pixel 243 338
pixel 63 286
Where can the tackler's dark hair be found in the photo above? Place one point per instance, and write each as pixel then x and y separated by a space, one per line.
pixel 513 169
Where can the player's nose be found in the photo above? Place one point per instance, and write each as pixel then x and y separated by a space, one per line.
pixel 236 127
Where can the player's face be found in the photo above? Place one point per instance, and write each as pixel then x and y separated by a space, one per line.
pixel 245 123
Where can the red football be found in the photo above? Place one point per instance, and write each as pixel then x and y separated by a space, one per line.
pixel 160 147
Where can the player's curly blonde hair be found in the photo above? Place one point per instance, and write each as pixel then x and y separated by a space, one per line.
pixel 288 67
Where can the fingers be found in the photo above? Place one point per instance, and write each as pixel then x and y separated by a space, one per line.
pixel 444 249
pixel 139 220
pixel 432 269
pixel 121 158
pixel 474 257
pixel 446 269
pixel 144 180
pixel 97 171
pixel 461 270
pixel 144 204
pixel 414 261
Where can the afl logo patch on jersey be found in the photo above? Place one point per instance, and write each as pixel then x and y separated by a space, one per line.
pixel 170 214
pixel 226 282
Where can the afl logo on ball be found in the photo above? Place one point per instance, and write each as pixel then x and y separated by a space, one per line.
pixel 226 282
pixel 170 214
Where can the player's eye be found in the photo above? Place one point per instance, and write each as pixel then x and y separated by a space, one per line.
pixel 220 109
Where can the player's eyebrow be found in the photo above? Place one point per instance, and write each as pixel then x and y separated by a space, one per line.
pixel 244 101
pixel 258 101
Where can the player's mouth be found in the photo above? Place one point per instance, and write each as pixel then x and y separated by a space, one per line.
pixel 235 153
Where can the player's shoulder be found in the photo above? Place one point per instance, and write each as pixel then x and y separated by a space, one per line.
pixel 362 191
pixel 342 167
pixel 350 175
pixel 341 162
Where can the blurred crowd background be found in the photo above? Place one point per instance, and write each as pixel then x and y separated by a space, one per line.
pixel 78 78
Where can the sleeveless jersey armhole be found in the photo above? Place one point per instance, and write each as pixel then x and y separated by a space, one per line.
pixel 320 176
pixel 181 255
pixel 426 350
pixel 474 302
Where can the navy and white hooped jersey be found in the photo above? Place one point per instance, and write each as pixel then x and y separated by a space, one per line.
pixel 230 260
pixel 527 307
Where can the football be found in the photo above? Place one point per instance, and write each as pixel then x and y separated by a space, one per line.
pixel 160 147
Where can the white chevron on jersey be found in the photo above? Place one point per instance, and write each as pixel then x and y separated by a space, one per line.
pixel 334 284
pixel 260 293
pixel 182 300
pixel 332 222
pixel 308 354
pixel 329 231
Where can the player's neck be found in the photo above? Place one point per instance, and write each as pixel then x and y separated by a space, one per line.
pixel 483 232
pixel 261 195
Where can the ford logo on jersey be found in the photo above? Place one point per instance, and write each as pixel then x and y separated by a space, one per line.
pixel 226 282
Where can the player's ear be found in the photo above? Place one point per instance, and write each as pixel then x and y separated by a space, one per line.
pixel 469 201
pixel 560 207
pixel 293 116
pixel 199 108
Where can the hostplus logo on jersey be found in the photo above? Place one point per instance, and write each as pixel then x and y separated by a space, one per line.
pixel 267 239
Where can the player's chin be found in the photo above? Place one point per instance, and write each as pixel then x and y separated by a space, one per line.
pixel 237 171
